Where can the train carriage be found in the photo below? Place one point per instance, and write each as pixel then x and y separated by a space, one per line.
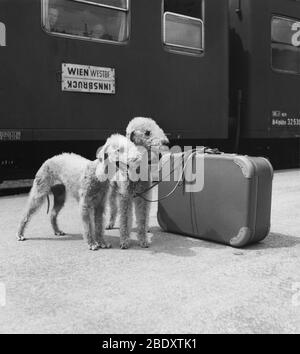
pixel 209 71
pixel 265 47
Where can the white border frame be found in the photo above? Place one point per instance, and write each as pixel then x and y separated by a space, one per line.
pixel 201 50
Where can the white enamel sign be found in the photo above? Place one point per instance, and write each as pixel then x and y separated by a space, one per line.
pixel 86 78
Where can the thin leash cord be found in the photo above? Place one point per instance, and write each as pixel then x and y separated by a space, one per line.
pixel 193 213
pixel 153 185
pixel 156 183
pixel 194 151
pixel 48 204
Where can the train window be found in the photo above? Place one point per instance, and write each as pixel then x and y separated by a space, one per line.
pixel 104 20
pixel 183 25
pixel 286 45
pixel 2 35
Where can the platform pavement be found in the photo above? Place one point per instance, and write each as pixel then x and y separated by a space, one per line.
pixel 178 285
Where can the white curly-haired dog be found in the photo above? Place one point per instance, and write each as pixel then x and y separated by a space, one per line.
pixel 87 181
pixel 143 132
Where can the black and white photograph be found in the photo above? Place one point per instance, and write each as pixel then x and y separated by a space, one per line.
pixel 149 169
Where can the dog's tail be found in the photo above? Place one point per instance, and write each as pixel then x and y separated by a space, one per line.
pixel 48 204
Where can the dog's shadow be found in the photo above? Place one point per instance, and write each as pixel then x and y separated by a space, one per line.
pixel 162 242
pixel 183 246
pixel 67 237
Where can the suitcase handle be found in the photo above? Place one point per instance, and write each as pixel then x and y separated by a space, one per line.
pixel 212 151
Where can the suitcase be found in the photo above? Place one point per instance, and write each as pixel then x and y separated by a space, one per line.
pixel 234 205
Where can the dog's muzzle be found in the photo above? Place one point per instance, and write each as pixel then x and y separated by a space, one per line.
pixel 121 165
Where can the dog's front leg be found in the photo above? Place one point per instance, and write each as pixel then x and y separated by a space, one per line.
pixel 87 220
pixel 113 204
pixel 142 210
pixel 125 220
pixel 99 227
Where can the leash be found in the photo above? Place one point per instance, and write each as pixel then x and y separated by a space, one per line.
pixel 141 195
pixel 48 204
pixel 193 152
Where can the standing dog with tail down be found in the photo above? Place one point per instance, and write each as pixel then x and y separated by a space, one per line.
pixel 87 181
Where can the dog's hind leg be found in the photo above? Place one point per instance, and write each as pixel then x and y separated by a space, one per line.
pixel 40 189
pixel 125 220
pixel 34 203
pixel 59 197
pixel 99 227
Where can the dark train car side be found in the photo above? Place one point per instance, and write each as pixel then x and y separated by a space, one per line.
pixel 54 49
pixel 222 73
pixel 265 77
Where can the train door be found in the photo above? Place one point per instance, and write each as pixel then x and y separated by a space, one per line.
pixel 179 65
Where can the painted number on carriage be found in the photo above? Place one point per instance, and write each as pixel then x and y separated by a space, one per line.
pixel 296 35
pixel 285 119
pixel 89 79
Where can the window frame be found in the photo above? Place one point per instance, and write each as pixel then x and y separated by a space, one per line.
pixel 91 2
pixel 89 39
pixel 276 70
pixel 181 49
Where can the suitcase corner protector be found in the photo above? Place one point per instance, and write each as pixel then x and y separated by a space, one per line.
pixel 242 238
pixel 245 165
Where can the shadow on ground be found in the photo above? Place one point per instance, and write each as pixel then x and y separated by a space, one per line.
pixel 71 237
pixel 276 240
pixel 162 242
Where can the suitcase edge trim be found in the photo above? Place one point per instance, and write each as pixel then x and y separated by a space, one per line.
pixel 242 238
pixel 246 166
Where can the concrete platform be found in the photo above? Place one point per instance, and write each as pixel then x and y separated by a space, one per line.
pixel 179 285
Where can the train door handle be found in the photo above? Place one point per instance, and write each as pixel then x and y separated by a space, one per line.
pixel 238 10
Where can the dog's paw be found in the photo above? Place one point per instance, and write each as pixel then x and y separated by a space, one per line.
pixel 144 244
pixel 124 245
pixel 20 238
pixel 104 245
pixel 94 247
pixel 59 233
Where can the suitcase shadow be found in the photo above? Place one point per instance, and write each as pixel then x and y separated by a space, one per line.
pixel 275 241
pixel 179 245
pixel 162 242
pixel 183 245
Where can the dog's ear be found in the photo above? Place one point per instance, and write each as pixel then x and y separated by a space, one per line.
pixel 132 135
pixel 102 168
pixel 98 151
pixel 101 153
pixel 102 172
